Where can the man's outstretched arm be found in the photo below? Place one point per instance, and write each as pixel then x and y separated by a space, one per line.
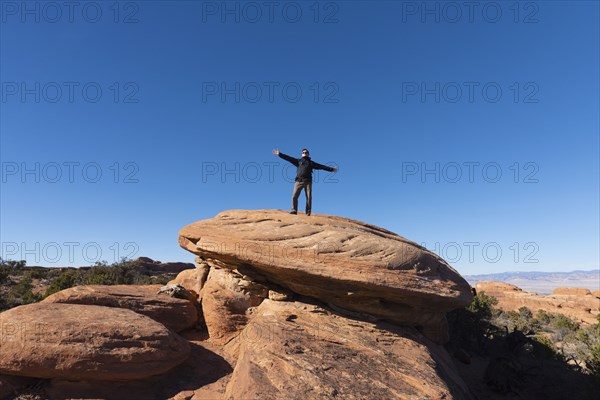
pixel 316 165
pixel 286 157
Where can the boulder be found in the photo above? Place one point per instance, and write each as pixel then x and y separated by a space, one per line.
pixel 175 313
pixel 292 350
pixel 348 264
pixel 192 279
pixel 86 342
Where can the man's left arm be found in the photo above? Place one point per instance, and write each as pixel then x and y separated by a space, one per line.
pixel 316 165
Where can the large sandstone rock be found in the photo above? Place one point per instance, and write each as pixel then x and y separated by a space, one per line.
pixel 575 303
pixel 177 314
pixel 292 350
pixel 346 263
pixel 83 342
pixel 226 298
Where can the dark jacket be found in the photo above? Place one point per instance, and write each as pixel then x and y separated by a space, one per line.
pixel 305 167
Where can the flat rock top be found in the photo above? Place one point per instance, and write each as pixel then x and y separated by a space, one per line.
pixel 490 286
pixel 175 313
pixel 572 291
pixel 349 252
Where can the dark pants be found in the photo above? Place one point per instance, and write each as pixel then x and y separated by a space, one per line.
pixel 298 186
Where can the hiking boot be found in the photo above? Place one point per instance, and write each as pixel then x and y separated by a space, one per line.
pixel 293 212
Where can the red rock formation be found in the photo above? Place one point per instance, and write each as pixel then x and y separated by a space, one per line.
pixel 343 262
pixel 575 303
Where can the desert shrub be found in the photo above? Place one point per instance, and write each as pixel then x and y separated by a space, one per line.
pixel 562 327
pixel 64 281
pixel 22 293
pixel 546 346
pixel 10 268
pixel 593 362
pixel 38 273
pixel 4 274
pixel 482 306
pixel 124 272
pixel 15 265
pixel 470 327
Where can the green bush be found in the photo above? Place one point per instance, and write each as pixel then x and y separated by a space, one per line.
pixel 546 345
pixel 22 292
pixel 16 265
pixel 593 362
pixel 64 281
pixel 124 272
pixel 10 268
pixel 38 273
pixel 482 306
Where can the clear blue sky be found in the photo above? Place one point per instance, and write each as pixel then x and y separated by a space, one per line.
pixel 181 102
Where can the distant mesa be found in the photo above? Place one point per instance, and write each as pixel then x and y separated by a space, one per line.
pixel 542 282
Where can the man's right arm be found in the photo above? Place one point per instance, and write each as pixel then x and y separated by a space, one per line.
pixel 288 158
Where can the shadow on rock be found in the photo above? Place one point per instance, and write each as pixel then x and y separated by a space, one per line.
pixel 202 368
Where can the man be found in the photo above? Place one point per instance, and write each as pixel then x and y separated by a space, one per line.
pixel 303 177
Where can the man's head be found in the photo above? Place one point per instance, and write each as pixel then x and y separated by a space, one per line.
pixel 305 153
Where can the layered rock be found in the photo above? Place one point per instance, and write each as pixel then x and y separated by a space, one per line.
pixel 84 342
pixel 348 264
pixel 175 313
pixel 576 303
pixel 295 350
pixel 226 298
